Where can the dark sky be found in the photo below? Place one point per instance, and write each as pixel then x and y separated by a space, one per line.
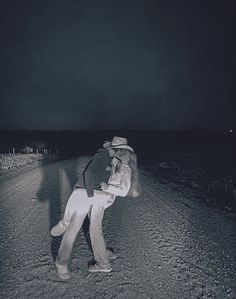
pixel 117 64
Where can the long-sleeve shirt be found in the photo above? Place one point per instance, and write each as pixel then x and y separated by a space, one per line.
pixel 120 182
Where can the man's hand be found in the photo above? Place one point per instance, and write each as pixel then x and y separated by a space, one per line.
pixel 104 186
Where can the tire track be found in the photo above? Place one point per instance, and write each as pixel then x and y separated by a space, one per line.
pixel 19 187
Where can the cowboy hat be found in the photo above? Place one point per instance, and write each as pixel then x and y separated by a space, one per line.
pixel 118 142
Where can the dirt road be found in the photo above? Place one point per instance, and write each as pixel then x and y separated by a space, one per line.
pixel 168 245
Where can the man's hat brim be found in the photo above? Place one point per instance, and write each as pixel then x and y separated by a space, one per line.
pixel 108 145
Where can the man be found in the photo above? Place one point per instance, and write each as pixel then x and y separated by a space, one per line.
pixel 98 170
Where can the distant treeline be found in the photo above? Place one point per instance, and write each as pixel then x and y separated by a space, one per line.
pixel 86 142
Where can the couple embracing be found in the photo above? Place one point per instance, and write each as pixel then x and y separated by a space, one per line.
pixel 109 173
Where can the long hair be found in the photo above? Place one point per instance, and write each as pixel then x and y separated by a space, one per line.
pixel 135 189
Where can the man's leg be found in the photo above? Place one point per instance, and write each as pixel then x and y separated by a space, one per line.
pixel 97 240
pixel 67 243
pixel 72 205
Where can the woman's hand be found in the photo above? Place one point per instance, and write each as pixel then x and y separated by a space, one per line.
pixel 104 186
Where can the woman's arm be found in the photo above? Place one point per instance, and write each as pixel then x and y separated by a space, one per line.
pixel 122 187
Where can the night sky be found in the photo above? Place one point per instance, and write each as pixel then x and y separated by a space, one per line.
pixel 78 65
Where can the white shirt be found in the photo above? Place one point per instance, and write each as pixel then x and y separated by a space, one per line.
pixel 119 182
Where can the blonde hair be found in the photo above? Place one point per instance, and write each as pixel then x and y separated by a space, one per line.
pixel 135 189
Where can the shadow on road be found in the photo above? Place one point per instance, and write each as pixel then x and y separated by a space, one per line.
pixel 57 185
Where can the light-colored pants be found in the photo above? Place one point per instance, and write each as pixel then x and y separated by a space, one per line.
pixel 78 206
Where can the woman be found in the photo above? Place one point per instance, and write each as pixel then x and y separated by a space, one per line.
pixel 123 181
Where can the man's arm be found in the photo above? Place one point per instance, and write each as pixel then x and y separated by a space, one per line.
pixel 96 166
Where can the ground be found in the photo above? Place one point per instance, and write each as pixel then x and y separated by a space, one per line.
pixel 169 244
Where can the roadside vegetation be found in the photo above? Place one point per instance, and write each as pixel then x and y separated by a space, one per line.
pixel 24 157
